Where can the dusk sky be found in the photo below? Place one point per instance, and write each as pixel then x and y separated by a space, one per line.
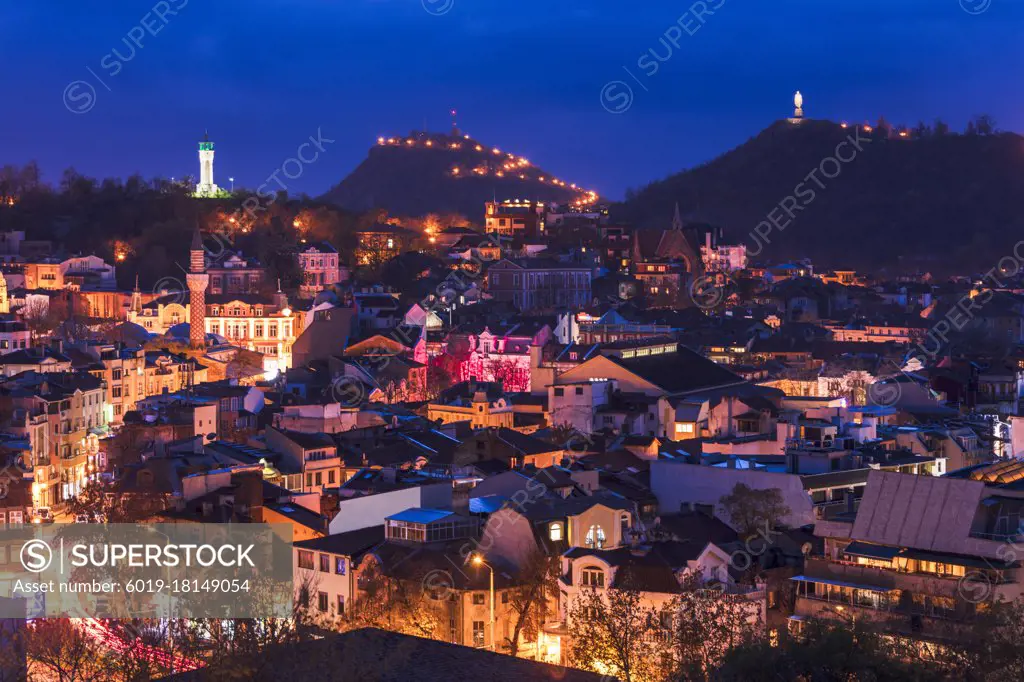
pixel 525 75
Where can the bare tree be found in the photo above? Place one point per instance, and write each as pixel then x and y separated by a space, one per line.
pixel 613 632
pixel 410 606
pixel 58 650
pixel 528 601
pixel 708 622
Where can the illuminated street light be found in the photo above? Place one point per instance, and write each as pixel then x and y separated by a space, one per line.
pixel 478 560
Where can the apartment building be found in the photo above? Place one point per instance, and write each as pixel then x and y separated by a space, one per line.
pixel 921 554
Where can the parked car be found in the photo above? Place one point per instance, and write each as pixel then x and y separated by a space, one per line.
pixel 83 518
pixel 43 515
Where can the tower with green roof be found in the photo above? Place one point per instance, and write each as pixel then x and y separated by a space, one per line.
pixel 206 186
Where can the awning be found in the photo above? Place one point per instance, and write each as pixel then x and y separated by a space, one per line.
pixel 866 549
pixel 958 560
pixel 840 583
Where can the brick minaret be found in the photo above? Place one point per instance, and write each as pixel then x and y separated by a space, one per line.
pixel 197 282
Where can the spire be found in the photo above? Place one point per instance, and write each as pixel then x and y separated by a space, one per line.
pixel 136 304
pixel 677 219
pixel 278 285
pixel 206 135
pixel 197 239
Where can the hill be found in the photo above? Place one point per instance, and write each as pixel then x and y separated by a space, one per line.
pixel 937 202
pixel 441 173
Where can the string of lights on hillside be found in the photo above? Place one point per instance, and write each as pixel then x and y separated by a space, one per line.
pixel 494 162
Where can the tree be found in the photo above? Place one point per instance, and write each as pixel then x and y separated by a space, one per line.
pixel 416 605
pixel 59 650
pixel 922 130
pixel 882 129
pixel 116 506
pixel 507 370
pixel 439 377
pixel 827 651
pixel 613 632
pixel 941 128
pixel 708 624
pixel 988 647
pixel 751 511
pixel 42 316
pixel 985 124
pixel 246 366
pixel 537 582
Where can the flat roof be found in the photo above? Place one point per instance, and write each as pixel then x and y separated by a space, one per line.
pixel 420 515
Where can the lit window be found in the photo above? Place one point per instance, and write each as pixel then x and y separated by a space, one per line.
pixel 684 427
pixel 595 537
pixel 555 532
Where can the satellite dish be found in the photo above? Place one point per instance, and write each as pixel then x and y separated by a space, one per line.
pixel 805 548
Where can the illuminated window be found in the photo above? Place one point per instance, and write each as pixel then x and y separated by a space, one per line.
pixel 595 537
pixel 391 243
pixel 684 427
pixel 555 532
pixel 479 639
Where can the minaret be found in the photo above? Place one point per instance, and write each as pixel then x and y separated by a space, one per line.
pixel 197 282
pixel 5 302
pixel 206 186
pixel 455 125
pixel 798 105
pixel 280 298
pixel 136 306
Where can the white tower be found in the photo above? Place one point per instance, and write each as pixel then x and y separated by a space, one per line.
pixel 798 106
pixel 206 186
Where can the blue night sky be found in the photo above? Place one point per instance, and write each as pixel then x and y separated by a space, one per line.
pixel 525 75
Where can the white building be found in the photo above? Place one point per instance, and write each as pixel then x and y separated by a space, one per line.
pixel 206 186
pixel 723 257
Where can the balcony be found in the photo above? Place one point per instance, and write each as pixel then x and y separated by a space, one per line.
pixel 897 582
